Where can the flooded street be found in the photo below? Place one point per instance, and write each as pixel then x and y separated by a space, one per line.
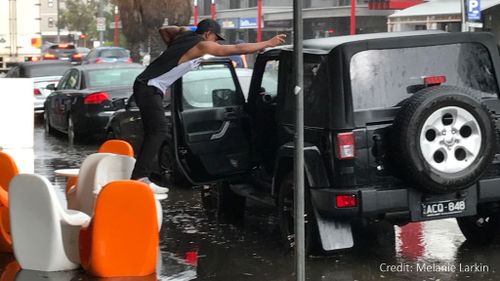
pixel 195 247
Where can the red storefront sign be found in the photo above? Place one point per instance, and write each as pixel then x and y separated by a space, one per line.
pixel 392 4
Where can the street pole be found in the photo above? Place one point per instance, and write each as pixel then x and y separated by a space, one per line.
pixel 259 20
pixel 195 12
pixel 212 10
pixel 100 15
pixel 298 31
pixel 116 27
pixel 58 22
pixel 462 10
pixel 353 17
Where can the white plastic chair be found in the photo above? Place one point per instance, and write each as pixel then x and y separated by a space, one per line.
pixel 97 170
pixel 44 235
pixel 31 275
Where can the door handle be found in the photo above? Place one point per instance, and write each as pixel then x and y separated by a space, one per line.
pixel 222 131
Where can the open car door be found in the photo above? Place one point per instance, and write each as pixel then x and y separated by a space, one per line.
pixel 211 129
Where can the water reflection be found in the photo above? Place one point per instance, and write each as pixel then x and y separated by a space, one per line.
pixel 194 247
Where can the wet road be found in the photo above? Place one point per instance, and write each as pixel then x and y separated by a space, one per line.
pixel 194 247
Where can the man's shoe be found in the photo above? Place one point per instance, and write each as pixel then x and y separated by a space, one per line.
pixel 154 187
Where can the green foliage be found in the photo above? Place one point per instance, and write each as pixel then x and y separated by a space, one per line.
pixel 80 15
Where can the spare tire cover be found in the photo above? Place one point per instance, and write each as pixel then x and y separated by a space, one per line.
pixel 442 139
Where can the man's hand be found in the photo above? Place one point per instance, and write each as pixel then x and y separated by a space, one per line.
pixel 276 40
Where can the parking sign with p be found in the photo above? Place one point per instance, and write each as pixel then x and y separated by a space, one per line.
pixel 473 10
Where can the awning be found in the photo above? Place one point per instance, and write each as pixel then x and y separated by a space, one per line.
pixel 439 7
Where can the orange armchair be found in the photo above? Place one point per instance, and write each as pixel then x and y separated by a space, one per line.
pixel 122 238
pixel 8 170
pixel 117 147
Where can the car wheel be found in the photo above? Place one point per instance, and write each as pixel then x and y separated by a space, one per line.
pixel 168 167
pixel 443 139
pixel 220 201
pixel 286 213
pixel 48 128
pixel 110 135
pixel 480 229
pixel 72 136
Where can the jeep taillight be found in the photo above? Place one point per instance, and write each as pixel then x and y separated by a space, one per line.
pixel 346 146
pixel 434 80
pixel 345 201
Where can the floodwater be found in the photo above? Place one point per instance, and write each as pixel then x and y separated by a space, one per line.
pixel 194 247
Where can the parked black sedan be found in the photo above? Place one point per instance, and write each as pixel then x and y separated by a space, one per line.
pixel 82 102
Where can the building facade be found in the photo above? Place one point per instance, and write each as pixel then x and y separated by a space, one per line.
pixel 322 18
pixel 445 15
pixel 48 22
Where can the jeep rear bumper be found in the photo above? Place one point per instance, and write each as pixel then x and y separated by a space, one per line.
pixel 375 202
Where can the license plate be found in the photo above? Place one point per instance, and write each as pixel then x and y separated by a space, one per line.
pixel 443 208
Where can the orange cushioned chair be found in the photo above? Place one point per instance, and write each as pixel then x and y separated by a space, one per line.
pixel 8 170
pixel 122 238
pixel 120 147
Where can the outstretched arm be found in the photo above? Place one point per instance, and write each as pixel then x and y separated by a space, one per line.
pixel 215 49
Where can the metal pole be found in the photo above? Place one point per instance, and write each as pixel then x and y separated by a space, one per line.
pixel 212 10
pixel 115 37
pixel 259 20
pixel 299 143
pixel 100 15
pixel 353 17
pixel 462 10
pixel 58 22
pixel 195 12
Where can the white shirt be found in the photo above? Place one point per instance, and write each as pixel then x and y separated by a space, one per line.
pixel 164 81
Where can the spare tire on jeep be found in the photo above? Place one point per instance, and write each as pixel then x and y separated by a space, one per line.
pixel 443 138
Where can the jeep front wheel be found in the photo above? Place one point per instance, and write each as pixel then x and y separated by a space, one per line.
pixel 443 139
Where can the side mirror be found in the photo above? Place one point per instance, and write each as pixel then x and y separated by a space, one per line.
pixel 51 87
pixel 224 97
pixel 119 103
pixel 267 98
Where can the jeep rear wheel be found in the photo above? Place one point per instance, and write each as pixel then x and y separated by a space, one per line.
pixel 287 218
pixel 443 139
pixel 480 229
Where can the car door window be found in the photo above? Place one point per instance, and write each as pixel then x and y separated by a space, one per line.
pixel 72 81
pixel 64 80
pixel 270 78
pixel 211 85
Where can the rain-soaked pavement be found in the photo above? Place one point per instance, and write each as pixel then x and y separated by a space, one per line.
pixel 194 247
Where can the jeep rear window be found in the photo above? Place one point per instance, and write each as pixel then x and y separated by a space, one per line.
pixel 382 78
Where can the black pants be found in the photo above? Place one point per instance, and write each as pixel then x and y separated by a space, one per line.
pixel 150 102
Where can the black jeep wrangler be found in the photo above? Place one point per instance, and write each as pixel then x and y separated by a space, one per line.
pixel 399 127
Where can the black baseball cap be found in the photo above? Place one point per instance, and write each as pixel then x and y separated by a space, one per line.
pixel 207 25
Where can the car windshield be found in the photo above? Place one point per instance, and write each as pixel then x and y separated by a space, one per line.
pixel 113 53
pixel 201 87
pixel 112 77
pixel 45 70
